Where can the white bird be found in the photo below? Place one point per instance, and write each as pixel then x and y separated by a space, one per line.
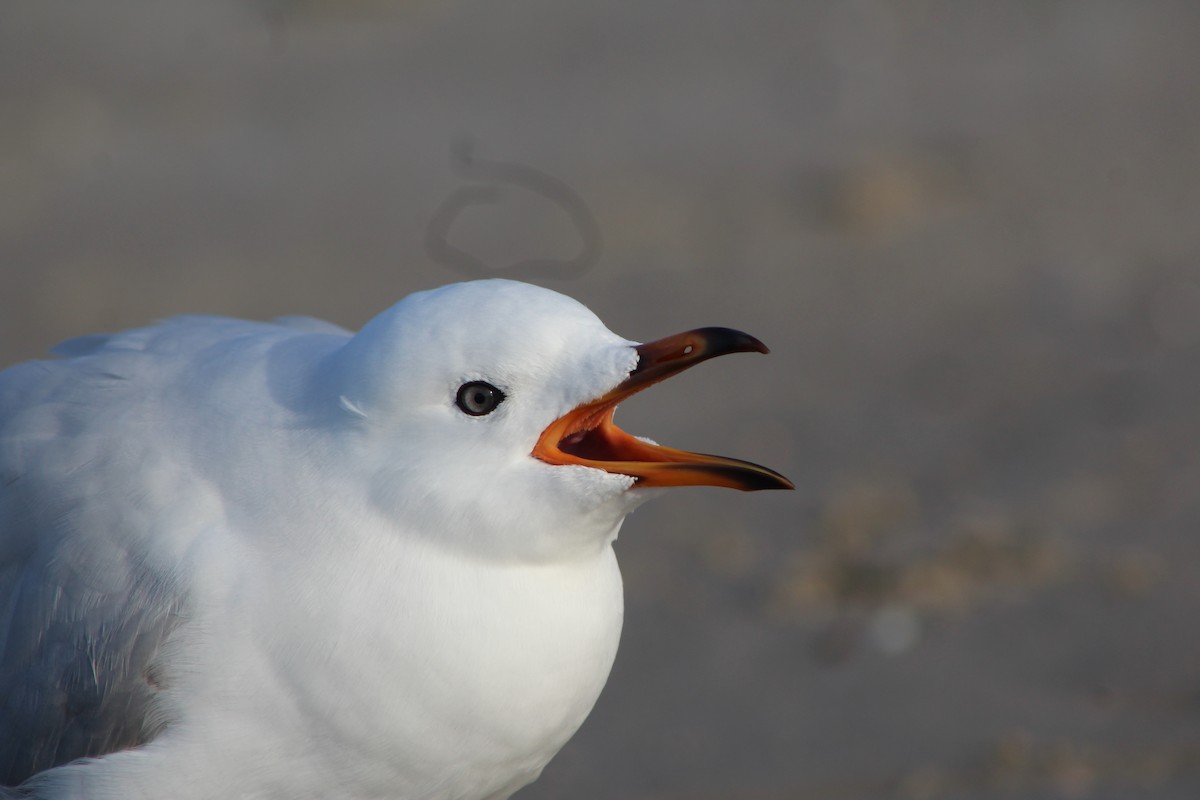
pixel 278 560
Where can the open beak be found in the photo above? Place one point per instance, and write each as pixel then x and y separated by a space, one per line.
pixel 586 435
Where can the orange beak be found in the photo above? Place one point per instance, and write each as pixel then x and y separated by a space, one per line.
pixel 586 435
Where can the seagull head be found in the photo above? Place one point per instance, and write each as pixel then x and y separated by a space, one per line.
pixel 490 404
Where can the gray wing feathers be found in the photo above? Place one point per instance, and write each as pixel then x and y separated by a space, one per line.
pixel 81 620
pixel 83 613
pixel 99 493
pixel 77 675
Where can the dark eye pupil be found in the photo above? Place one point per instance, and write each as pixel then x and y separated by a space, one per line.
pixel 478 398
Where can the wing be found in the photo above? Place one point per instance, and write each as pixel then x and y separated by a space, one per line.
pixel 95 510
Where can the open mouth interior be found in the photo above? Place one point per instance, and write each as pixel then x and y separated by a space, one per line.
pixel 595 438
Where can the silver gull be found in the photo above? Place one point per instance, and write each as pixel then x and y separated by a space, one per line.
pixel 281 560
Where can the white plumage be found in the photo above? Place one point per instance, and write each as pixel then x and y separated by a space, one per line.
pixel 277 560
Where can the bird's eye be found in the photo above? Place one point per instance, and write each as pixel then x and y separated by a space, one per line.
pixel 478 398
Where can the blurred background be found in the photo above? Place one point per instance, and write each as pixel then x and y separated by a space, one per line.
pixel 969 231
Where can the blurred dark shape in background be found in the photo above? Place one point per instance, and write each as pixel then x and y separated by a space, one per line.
pixel 967 230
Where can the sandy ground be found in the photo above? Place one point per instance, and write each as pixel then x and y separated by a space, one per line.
pixel 969 231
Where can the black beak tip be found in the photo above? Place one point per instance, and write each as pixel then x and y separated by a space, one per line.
pixel 772 480
pixel 719 341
